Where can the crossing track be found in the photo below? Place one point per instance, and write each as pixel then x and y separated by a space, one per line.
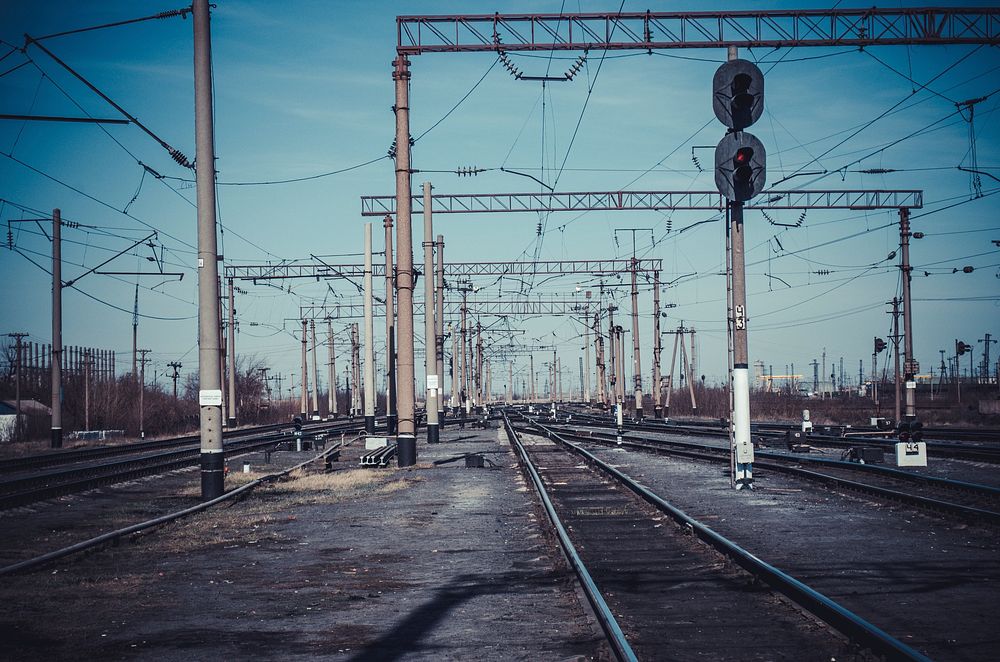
pixel 70 456
pixel 114 537
pixel 973 447
pixel 18 490
pixel 969 501
pixel 662 587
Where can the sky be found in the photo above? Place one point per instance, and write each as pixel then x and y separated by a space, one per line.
pixel 304 89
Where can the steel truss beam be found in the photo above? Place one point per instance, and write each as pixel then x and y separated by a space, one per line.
pixel 318 271
pixel 669 30
pixel 501 308
pixel 477 203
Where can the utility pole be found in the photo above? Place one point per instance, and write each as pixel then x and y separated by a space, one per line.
pixel 636 366
pixel 390 331
pixel 895 340
pixel 455 401
pixel 613 356
pixel 332 370
pixel 222 360
pixel 430 328
pixel 986 356
pixel 142 392
pixel 439 329
pixel 465 363
pixel 17 381
pixel 585 366
pixel 355 370
pixel 656 387
pixel 176 366
pixel 315 371
pixel 369 336
pixel 815 366
pixel 87 360
pixel 531 374
pixel 231 346
pixel 910 366
pixel 210 386
pixel 57 348
pixel 479 366
pixel 602 378
pixel 304 396
pixel 406 440
pixel 135 332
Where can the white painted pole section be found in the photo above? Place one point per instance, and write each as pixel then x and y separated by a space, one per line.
pixel 369 336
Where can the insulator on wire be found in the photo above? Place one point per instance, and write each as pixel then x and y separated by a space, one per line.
pixel 181 160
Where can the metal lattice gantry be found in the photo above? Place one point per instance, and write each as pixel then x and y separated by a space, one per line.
pixel 321 271
pixel 669 30
pixel 453 308
pixel 472 203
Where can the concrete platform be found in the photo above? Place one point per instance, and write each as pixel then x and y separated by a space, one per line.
pixel 429 563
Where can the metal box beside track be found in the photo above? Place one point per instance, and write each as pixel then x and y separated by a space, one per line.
pixel 911 454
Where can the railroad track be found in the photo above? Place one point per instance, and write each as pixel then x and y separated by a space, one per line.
pixel 22 490
pixel 653 588
pixel 969 501
pixel 64 457
pixel 975 450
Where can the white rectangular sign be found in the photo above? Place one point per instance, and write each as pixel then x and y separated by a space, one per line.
pixel 210 398
pixel 432 382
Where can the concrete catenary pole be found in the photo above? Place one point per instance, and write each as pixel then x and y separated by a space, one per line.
pixel 231 347
pixel 315 367
pixel 602 377
pixel 222 359
pixel 656 386
pixel 142 392
pixel 585 368
pixel 369 336
pixel 464 390
pixel 304 396
pixel 390 331
pixel 57 348
pixel 531 374
pixel 479 366
pixel 86 390
pixel 910 364
pixel 355 370
pixel 439 326
pixel 19 357
pixel 209 384
pixel 406 438
pixel 636 364
pixel 430 328
pixel 332 370
pixel 455 402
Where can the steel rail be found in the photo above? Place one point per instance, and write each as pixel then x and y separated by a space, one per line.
pixel 10 465
pixel 949 483
pixel 719 454
pixel 113 536
pixel 619 644
pixel 845 621
pixel 111 473
pixel 982 454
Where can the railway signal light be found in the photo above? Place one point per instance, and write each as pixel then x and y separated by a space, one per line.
pixel 903 432
pixel 738 94
pixel 961 347
pixel 879 345
pixel 740 166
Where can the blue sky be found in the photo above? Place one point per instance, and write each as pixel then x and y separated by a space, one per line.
pixel 305 88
